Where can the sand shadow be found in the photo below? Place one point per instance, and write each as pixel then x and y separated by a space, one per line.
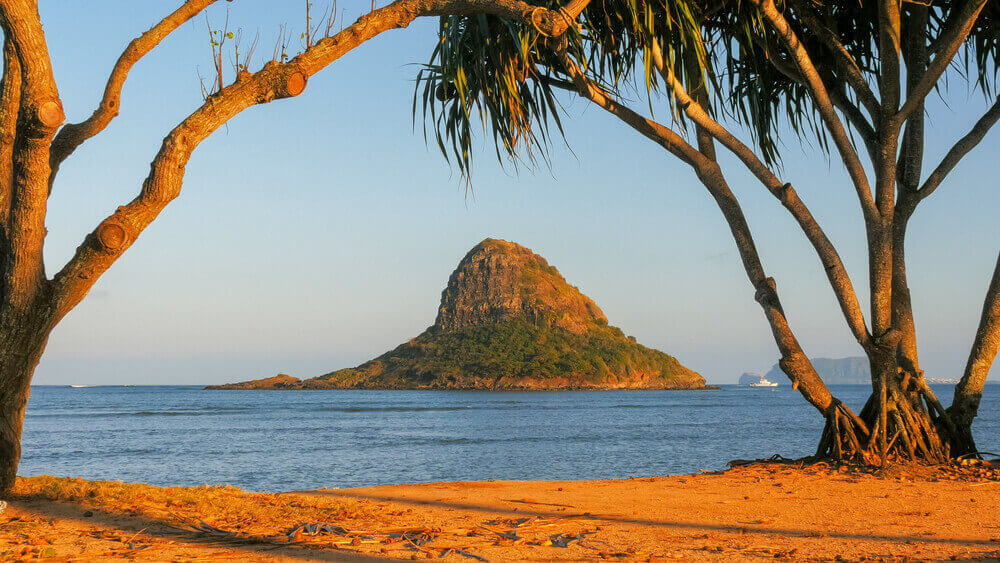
pixel 736 528
pixel 165 530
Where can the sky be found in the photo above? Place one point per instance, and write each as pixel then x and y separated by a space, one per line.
pixel 318 232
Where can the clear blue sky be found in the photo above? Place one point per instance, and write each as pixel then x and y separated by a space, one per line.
pixel 315 233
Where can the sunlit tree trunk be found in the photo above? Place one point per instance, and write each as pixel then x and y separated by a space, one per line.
pixel 22 342
pixel 969 391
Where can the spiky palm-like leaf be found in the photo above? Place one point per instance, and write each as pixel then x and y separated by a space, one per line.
pixel 504 75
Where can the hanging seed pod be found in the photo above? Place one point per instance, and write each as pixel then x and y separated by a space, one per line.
pixel 445 91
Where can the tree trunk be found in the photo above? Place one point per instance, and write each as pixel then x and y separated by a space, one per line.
pixel 905 418
pixel 969 390
pixel 21 344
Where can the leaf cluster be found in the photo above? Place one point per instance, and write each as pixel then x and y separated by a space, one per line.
pixel 504 76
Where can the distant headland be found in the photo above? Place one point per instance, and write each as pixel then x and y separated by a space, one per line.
pixel 834 371
pixel 508 321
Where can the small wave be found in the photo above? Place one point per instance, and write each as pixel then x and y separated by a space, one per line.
pixel 161 413
pixel 393 409
pixel 89 455
pixel 466 441
pixel 205 412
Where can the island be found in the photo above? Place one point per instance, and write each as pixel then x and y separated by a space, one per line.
pixel 508 320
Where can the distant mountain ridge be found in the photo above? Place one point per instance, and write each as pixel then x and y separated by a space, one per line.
pixel 833 371
pixel 508 320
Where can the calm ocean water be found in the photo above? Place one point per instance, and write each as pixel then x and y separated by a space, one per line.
pixel 287 440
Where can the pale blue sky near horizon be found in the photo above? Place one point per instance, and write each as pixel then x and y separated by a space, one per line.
pixel 316 233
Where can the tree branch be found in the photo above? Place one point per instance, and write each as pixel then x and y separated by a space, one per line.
pixel 844 61
pixel 74 134
pixel 889 45
pixel 102 247
pixel 969 390
pixel 840 281
pixel 915 56
pixel 40 113
pixel 794 361
pixel 956 30
pixel 10 101
pixel 823 105
pixel 908 170
pixel 963 147
pixel 855 117
pixel 656 132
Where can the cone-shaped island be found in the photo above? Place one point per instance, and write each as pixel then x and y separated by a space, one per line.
pixel 507 321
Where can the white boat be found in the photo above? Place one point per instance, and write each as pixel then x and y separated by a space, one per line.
pixel 79 386
pixel 752 379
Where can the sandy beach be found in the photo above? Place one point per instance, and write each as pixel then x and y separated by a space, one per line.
pixel 763 511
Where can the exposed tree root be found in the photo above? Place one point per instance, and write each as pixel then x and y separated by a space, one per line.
pixel 909 425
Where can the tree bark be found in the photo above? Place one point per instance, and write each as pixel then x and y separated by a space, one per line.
pixel 22 340
pixel 10 102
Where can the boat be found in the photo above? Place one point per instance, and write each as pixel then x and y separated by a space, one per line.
pixel 751 379
pixel 79 386
pixel 764 382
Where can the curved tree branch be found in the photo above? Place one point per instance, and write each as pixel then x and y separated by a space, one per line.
pixel 832 264
pixel 963 147
pixel 102 247
pixel 794 361
pixel 848 67
pixel 855 117
pixel 74 134
pixel 969 390
pixel 823 105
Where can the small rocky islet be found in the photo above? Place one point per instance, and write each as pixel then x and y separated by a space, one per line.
pixel 508 320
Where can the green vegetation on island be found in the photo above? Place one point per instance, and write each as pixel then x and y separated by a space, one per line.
pixel 509 320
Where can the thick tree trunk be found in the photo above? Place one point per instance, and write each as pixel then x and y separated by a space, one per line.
pixel 905 418
pixel 21 344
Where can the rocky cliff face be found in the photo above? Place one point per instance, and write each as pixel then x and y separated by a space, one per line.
pixel 498 281
pixel 508 320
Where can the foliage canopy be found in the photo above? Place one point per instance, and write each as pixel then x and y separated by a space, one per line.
pixel 502 76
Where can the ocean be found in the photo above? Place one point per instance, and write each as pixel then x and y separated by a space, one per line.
pixel 294 440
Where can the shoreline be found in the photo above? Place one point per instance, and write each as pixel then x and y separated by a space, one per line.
pixel 224 387
pixel 762 510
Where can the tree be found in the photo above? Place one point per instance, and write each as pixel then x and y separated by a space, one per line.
pixel 852 75
pixel 34 143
